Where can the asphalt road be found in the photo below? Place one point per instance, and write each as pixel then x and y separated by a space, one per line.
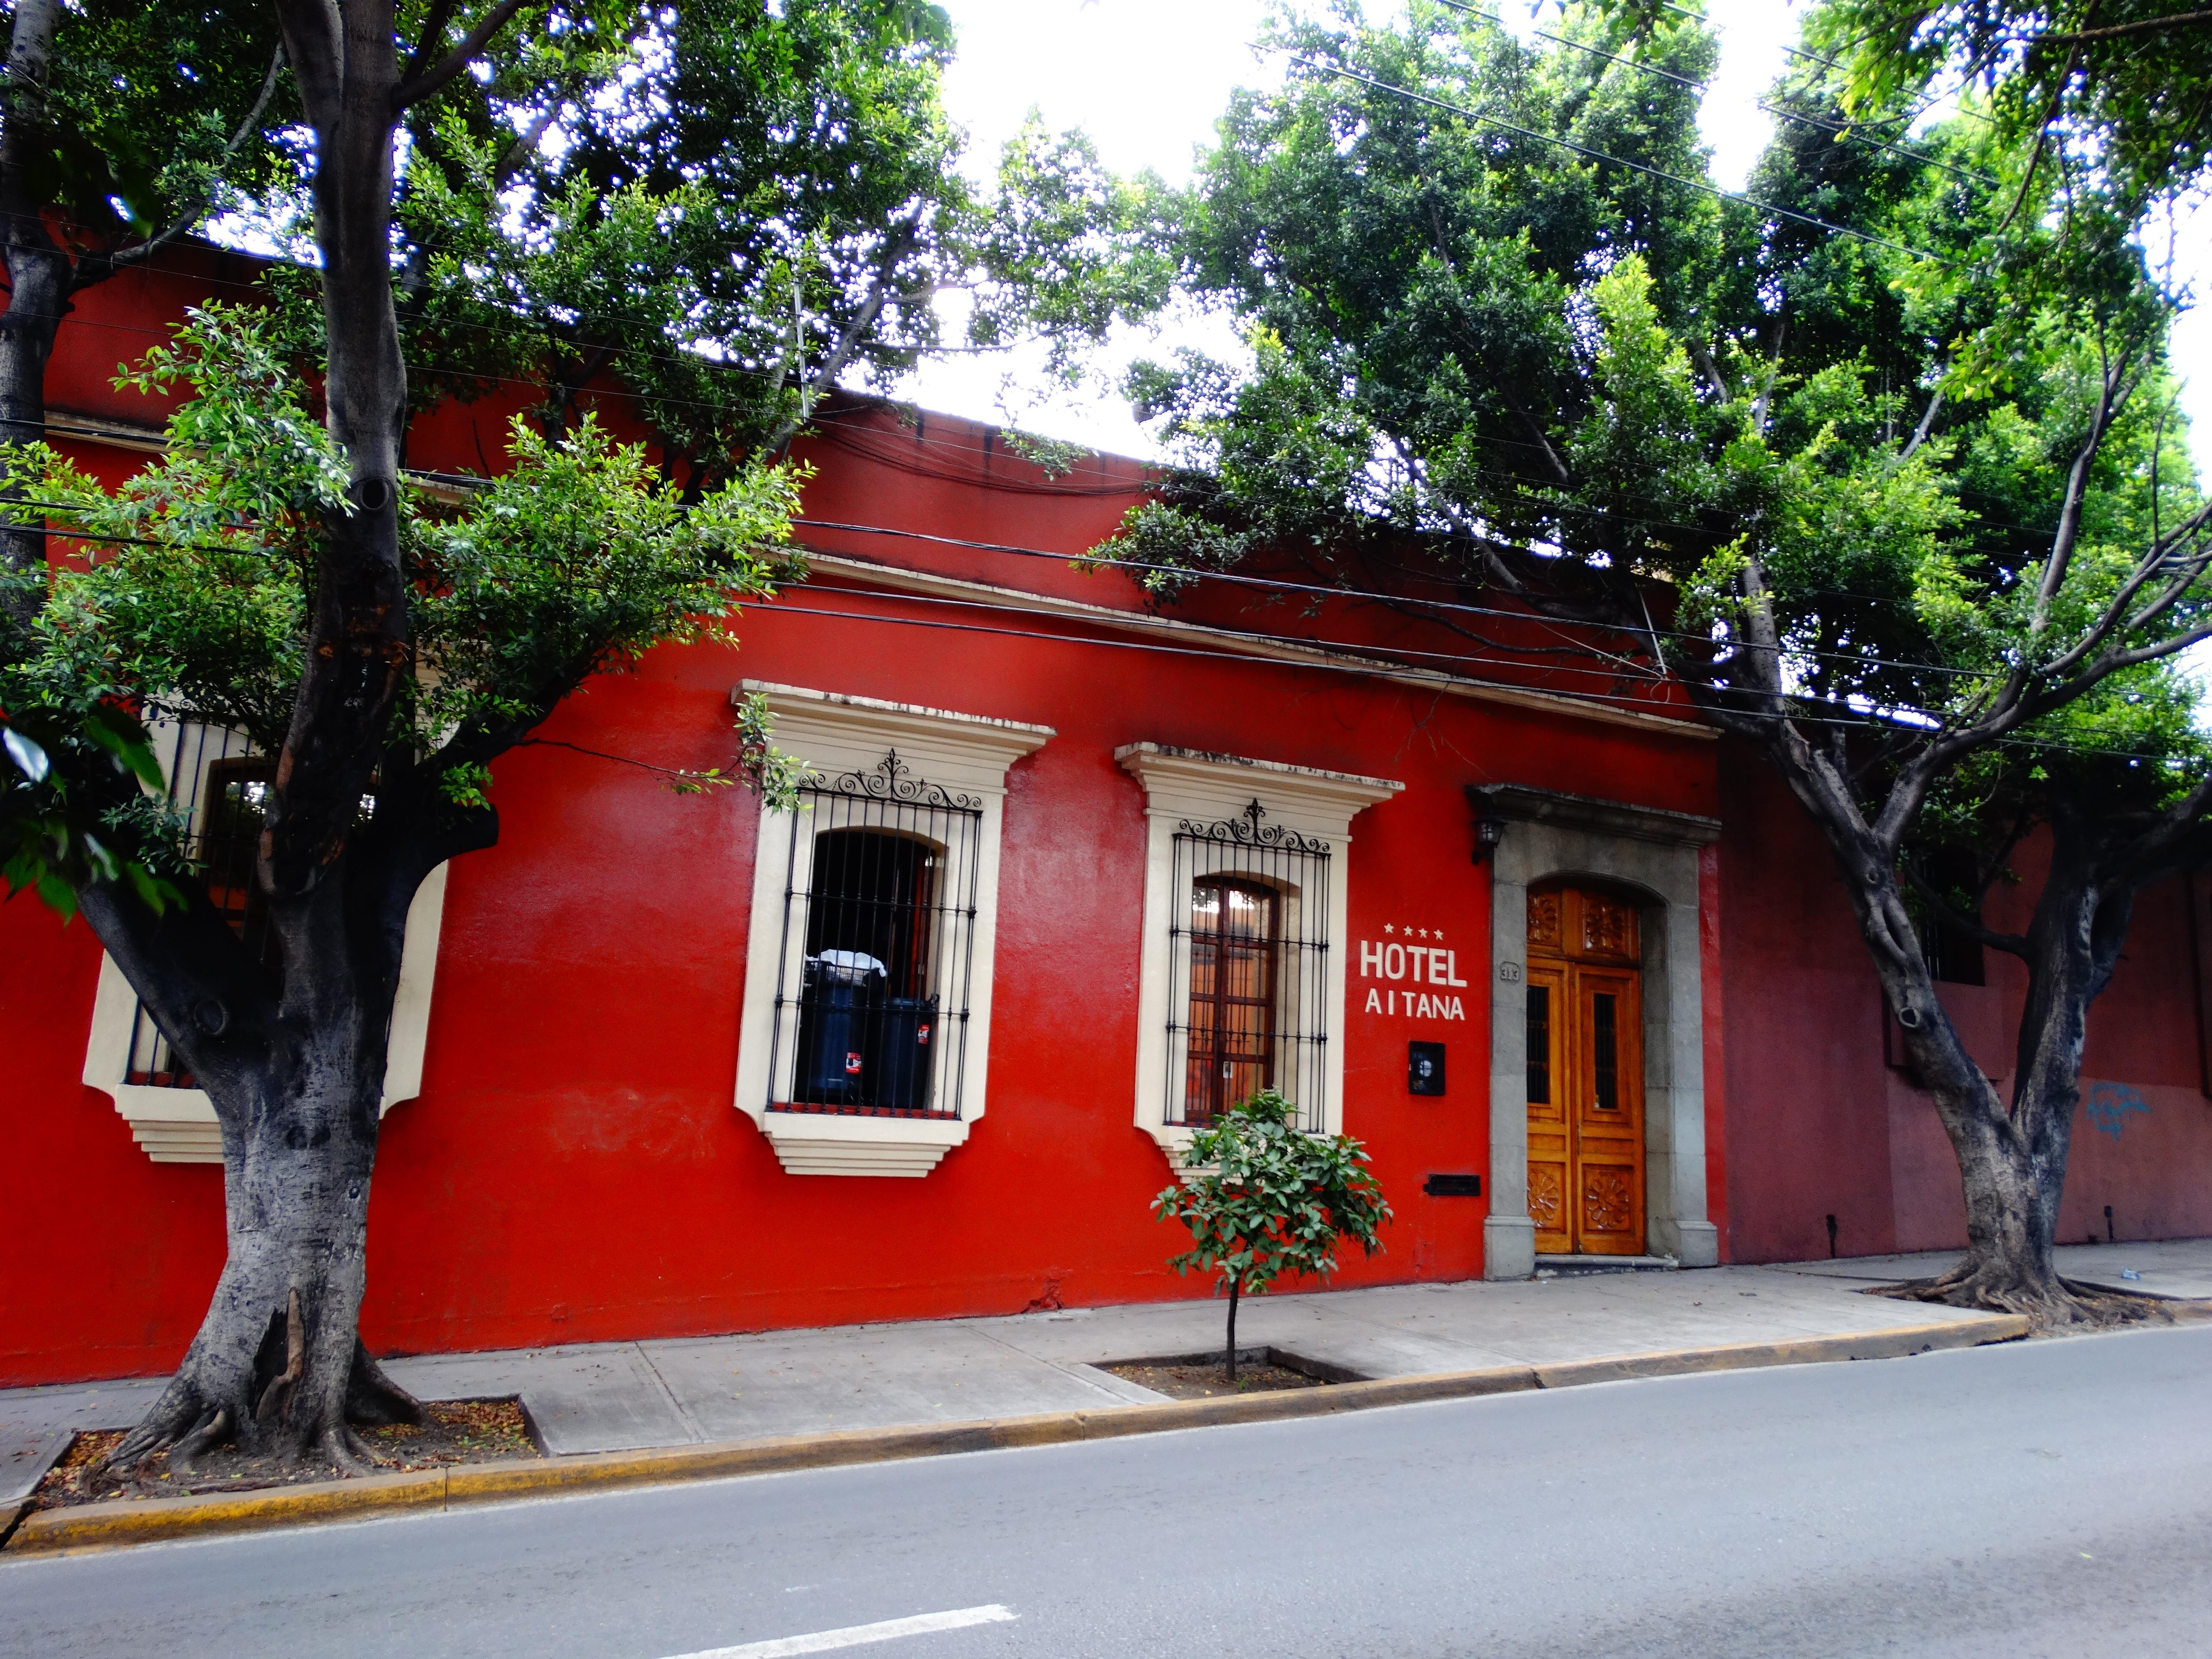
pixel 2049 1498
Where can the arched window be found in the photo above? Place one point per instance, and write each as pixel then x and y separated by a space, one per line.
pixel 867 1013
pixel 1234 935
pixel 876 967
pixel 871 895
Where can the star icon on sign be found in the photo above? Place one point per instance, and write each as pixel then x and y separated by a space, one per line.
pixel 1388 928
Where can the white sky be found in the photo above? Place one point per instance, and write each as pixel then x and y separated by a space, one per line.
pixel 1146 80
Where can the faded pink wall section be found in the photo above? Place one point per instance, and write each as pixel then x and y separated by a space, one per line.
pixel 1804 1084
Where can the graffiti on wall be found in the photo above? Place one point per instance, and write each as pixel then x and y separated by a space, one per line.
pixel 2109 1106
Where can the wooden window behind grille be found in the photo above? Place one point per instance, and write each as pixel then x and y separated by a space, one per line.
pixel 235 810
pixel 232 803
pixel 1234 931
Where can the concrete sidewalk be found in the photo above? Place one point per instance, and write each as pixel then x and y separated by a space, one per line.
pixel 625 1396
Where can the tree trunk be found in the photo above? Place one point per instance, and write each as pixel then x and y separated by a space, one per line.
pixel 296 1077
pixel 294 1061
pixel 2012 1160
pixel 39 275
pixel 277 1366
pixel 357 657
pixel 1233 1287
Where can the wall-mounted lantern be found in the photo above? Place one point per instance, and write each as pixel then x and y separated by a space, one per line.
pixel 1489 830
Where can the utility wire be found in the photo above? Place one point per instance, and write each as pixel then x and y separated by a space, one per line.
pixel 1371 668
pixel 1327 590
pixel 1861 659
pixel 1444 681
pixel 1253 637
pixel 1909 115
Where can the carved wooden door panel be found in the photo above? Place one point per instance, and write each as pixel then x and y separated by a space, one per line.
pixel 1585 1073
pixel 1608 1112
pixel 1550 1160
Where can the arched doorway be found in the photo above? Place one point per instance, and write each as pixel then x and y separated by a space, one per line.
pixel 1585 1003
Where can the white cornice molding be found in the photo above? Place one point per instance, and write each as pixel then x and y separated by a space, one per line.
pixel 834 732
pixel 1193 783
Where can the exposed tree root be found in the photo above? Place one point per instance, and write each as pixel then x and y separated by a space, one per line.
pixel 210 1433
pixel 185 1422
pixel 2058 1304
pixel 374 1399
pixel 176 1421
pixel 345 1451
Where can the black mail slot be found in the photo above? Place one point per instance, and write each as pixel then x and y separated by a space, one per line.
pixel 1453 1186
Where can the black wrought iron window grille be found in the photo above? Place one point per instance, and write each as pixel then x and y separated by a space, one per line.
pixel 877 964
pixel 1247 967
pixel 218 783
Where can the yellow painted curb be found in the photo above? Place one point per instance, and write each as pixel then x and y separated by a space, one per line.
pixel 140 1521
pixel 1892 1343
pixel 150 1520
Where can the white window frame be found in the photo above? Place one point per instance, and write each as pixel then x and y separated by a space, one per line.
pixel 833 734
pixel 1188 786
pixel 179 1126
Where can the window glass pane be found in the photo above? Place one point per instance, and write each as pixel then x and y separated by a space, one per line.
pixel 1605 1065
pixel 1232 1017
pixel 869 902
pixel 1539 1045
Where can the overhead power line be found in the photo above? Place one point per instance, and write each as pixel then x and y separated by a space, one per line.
pixel 1249 637
pixel 1442 679
pixel 1326 590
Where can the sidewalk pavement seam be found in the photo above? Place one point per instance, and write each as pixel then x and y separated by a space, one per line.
pixel 683 1411
pixel 1076 1369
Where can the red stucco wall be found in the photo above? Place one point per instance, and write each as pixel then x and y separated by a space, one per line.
pixel 574 1168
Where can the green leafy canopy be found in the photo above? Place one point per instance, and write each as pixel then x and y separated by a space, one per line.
pixel 192 602
pixel 1499 320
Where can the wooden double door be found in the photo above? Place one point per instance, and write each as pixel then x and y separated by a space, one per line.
pixel 1585 1073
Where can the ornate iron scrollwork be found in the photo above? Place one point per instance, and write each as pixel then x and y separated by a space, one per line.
pixel 1245 830
pixel 891 779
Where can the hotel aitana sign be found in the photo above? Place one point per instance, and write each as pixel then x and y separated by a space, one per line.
pixel 1415 968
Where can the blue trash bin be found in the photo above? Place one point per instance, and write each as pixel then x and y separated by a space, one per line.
pixel 903 1068
pixel 838 1003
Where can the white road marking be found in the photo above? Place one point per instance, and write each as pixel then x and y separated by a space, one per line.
pixel 854 1636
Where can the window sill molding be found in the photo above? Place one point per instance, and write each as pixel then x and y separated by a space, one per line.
pixel 179 1126
pixel 815 1144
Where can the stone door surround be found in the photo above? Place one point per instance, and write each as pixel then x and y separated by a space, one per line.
pixel 1551 835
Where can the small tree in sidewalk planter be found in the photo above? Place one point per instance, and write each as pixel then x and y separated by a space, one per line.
pixel 1273 1200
